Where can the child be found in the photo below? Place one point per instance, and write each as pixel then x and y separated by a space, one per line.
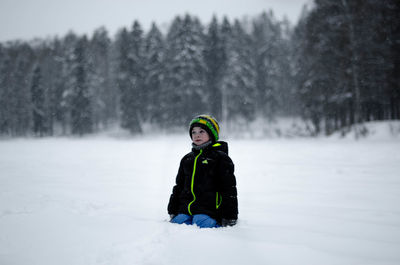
pixel 205 190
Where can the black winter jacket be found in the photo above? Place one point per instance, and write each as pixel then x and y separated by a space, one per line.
pixel 206 184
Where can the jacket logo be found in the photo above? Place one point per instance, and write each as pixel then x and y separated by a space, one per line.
pixel 205 161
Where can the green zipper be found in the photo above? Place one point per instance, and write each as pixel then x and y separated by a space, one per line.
pixel 192 184
pixel 218 201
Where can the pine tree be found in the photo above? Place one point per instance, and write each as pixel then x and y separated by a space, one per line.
pixel 130 78
pixel 5 67
pixel 19 96
pixel 185 73
pixel 38 103
pixel 270 65
pixel 80 98
pixel 122 75
pixel 226 82
pixel 51 61
pixel 137 76
pixel 154 77
pixel 104 97
pixel 66 88
pixel 302 71
pixel 238 83
pixel 215 56
pixel 287 100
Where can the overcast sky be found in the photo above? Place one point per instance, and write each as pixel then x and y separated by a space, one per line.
pixel 27 19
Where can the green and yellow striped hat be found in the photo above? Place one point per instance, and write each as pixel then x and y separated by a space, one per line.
pixel 207 122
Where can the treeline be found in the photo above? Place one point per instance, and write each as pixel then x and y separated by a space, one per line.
pixel 338 67
pixel 77 85
pixel 347 63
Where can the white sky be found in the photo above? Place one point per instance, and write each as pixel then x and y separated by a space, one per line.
pixel 27 19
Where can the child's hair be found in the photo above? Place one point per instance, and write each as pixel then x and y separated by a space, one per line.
pixel 208 123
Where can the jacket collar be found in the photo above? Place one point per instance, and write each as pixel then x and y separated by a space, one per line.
pixel 220 146
pixel 200 147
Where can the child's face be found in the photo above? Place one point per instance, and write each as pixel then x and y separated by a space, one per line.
pixel 199 136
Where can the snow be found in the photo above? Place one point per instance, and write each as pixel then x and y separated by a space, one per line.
pixel 103 200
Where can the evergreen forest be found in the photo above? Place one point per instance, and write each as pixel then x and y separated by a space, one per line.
pixel 339 66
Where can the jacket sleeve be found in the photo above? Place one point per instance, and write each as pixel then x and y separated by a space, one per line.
pixel 228 192
pixel 173 205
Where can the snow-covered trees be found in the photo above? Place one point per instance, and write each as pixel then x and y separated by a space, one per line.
pixel 238 79
pixel 346 63
pixel 38 102
pixel 131 77
pixel 154 54
pixel 185 73
pixel 339 66
pixel 15 101
pixel 215 58
pixel 104 100
pixel 80 98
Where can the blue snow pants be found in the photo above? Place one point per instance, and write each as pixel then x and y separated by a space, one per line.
pixel 201 220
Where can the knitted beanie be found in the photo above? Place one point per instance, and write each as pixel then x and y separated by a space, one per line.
pixel 208 123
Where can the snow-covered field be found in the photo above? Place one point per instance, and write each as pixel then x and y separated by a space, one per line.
pixel 87 201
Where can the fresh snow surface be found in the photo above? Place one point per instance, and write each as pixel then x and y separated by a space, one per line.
pixel 66 201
